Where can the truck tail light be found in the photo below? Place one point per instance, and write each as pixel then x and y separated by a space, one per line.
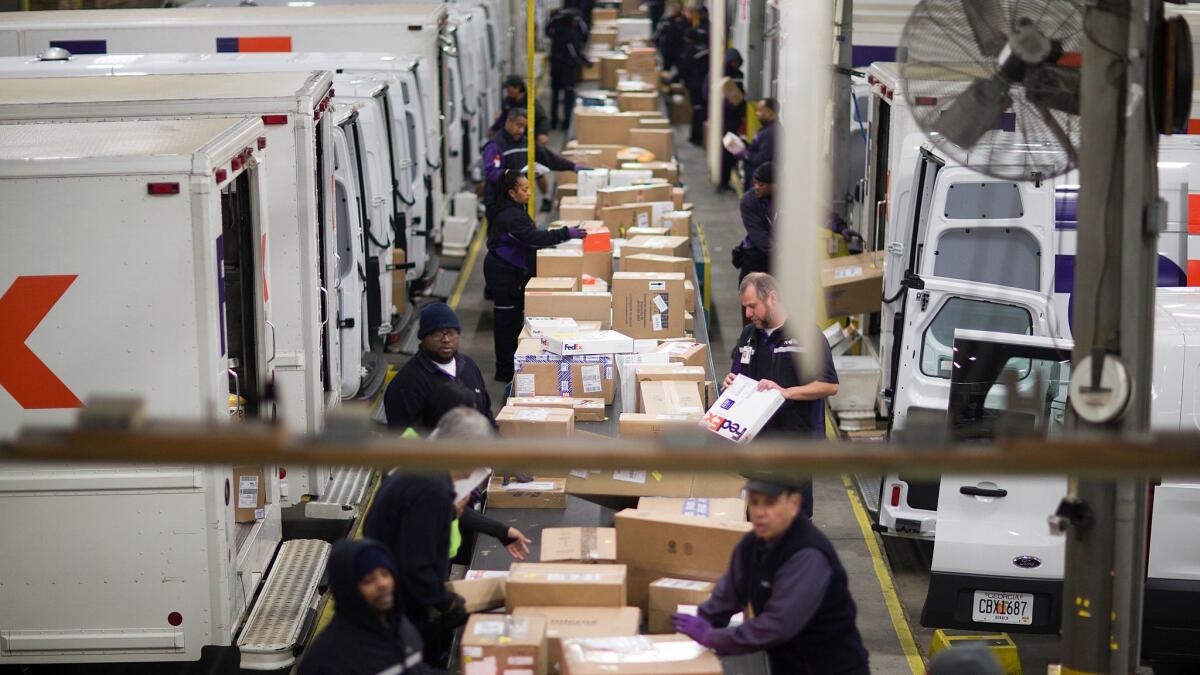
pixel 895 495
pixel 274 119
pixel 220 175
pixel 235 163
pixel 175 618
pixel 262 142
pixel 282 473
pixel 162 188
pixel 925 100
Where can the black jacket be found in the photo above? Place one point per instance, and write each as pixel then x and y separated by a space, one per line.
pixel 693 65
pixel 509 227
pixel 568 42
pixel 407 397
pixel 758 217
pixel 411 515
pixel 356 642
pixel 760 150
pixel 669 39
pixel 505 152
pixel 771 358
pixel 830 643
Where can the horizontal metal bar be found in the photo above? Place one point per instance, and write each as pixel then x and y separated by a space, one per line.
pixel 252 443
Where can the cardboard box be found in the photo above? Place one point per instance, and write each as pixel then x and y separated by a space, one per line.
pixel 710 393
pixel 553 284
pixel 599 264
pixel 251 494
pixel 602 38
pixel 579 306
pixel 853 284
pixel 672 372
pixel 589 157
pixel 610 63
pixel 638 655
pixel 631 101
pixel 742 411
pixel 591 180
pixel 667 545
pixel 628 482
pixel 579 544
pixel 642 60
pixel 679 247
pixel 621 218
pixel 585 409
pixel 709 484
pixel 482 589
pixel 540 373
pixel 590 284
pixel 573 622
pixel 659 141
pixel 512 644
pixel 589 409
pixel 565 585
pixel 667 170
pixel 399 279
pixel 630 177
pixel 627 372
pixel 689 323
pixel 540 493
pixel 537 325
pixel 606 155
pixel 677 195
pixel 720 508
pixel 563 189
pixel 557 263
pixel 633 29
pixel 641 425
pixel 679 108
pixel 604 14
pixel 661 123
pixel 524 422
pixel 634 194
pixel 666 397
pixel 680 223
pixel 652 262
pixel 603 127
pixel 648 304
pixel 579 343
pixel 686 353
pixel 689 294
pixel 573 208
pixel 732 92
pixel 665 595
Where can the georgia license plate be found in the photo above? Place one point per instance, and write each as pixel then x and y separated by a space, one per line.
pixel 995 607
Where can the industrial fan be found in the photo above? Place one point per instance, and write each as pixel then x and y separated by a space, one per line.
pixel 973 68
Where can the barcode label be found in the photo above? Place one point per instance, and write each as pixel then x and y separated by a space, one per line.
pixel 630 476
pixel 847 272
pixel 592 382
pixel 657 322
pixel 247 492
pixel 660 303
pixel 524 384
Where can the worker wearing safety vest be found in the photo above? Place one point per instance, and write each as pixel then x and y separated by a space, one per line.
pixel 786 579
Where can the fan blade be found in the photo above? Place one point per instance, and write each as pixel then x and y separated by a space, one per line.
pixel 988 38
pixel 974 112
pixel 1054 87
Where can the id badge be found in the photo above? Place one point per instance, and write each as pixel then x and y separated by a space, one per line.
pixel 747 353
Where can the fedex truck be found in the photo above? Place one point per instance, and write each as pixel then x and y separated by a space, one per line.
pixel 303 283
pixel 415 30
pixel 133 266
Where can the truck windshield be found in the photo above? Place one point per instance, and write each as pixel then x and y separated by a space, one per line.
pixel 937 354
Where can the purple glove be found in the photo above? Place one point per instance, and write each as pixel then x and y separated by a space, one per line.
pixel 577 232
pixel 580 167
pixel 745 154
pixel 692 626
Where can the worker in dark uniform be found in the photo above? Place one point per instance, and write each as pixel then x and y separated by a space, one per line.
pixel 734 116
pixel 693 68
pixel 508 150
pixel 765 352
pixel 668 36
pixel 568 46
pixel 369 633
pixel 762 149
pixel 753 254
pixel 512 243
pixel 411 515
pixel 655 10
pixel 516 96
pixel 786 577
pixel 409 399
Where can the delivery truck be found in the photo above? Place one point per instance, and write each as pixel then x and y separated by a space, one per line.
pixel 303 282
pixel 415 30
pixel 134 267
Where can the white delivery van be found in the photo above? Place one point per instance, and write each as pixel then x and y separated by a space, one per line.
pixel 408 29
pixel 415 138
pixel 137 247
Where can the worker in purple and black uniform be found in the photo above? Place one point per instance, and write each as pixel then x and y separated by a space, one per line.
pixel 766 352
pixel 568 47
pixel 762 149
pixel 512 242
pixel 785 577
pixel 734 117
pixel 508 149
pixel 753 254
pixel 668 35
pixel 693 70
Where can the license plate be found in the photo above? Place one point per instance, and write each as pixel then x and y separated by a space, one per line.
pixel 995 607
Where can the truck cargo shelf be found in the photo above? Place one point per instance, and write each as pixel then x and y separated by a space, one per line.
pixel 343 496
pixel 269 637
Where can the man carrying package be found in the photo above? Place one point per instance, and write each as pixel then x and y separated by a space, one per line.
pixel 786 577
pixel 766 353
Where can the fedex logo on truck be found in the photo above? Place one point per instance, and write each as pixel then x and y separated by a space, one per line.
pixel 725 427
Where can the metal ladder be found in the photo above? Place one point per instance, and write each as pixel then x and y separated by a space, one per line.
pixel 268 639
pixel 343 496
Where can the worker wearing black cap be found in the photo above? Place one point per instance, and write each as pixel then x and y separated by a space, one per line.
pixel 515 96
pixel 409 398
pixel 753 254
pixel 787 580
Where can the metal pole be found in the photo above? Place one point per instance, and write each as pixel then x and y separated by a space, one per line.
pixel 716 101
pixel 843 89
pixel 1118 217
pixel 531 106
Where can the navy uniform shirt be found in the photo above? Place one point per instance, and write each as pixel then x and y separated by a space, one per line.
pixel 772 357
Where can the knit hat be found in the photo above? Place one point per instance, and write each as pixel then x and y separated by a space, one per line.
pixel 972 660
pixel 436 316
pixel 765 173
pixel 515 81
pixel 372 558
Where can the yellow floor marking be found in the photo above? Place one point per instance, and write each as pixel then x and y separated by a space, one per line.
pixel 468 265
